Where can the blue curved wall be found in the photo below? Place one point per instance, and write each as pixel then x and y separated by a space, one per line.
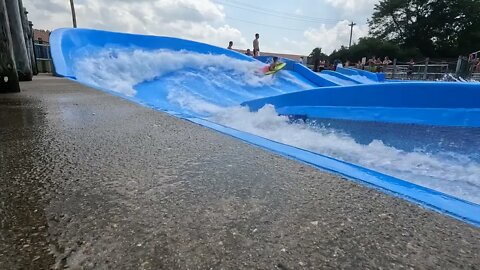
pixel 72 43
pixel 332 79
pixel 376 77
pixel 405 102
pixel 448 104
pixel 341 76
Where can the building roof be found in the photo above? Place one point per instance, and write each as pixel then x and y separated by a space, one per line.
pixel 281 55
pixel 43 35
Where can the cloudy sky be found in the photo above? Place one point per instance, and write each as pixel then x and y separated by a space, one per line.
pixel 285 26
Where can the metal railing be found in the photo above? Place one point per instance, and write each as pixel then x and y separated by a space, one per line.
pixel 476 76
pixel 432 70
pixel 418 71
pixel 43 57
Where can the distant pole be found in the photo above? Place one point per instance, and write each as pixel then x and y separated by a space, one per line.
pixel 459 66
pixel 74 16
pixel 351 33
pixel 33 56
pixel 425 72
pixel 394 72
pixel 22 60
pixel 8 69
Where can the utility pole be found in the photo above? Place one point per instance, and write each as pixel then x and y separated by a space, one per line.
pixel 74 16
pixel 351 33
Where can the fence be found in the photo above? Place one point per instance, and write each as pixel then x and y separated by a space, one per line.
pixel 432 70
pixel 423 70
pixel 43 57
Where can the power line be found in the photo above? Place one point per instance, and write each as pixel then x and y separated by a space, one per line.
pixel 278 14
pixel 267 25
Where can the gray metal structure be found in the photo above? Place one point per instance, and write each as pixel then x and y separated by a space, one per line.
pixel 8 68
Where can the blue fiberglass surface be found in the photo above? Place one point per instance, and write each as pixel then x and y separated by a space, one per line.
pixel 351 81
pixel 205 84
pixel 444 104
pixel 325 78
pixel 452 152
pixel 355 73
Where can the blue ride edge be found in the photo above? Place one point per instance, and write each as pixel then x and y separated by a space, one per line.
pixel 428 198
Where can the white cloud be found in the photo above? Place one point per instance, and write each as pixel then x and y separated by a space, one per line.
pixel 206 33
pixel 298 11
pixel 288 46
pixel 200 20
pixel 354 8
pixel 332 38
pixel 327 37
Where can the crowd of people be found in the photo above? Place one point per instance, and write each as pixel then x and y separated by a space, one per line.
pixel 256 47
pixel 256 52
pixel 374 64
pixel 475 65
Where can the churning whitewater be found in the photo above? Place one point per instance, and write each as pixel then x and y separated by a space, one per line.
pixel 211 87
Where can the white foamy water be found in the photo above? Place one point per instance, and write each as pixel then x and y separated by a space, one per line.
pixel 450 173
pixel 449 77
pixel 447 172
pixel 219 76
pixel 120 69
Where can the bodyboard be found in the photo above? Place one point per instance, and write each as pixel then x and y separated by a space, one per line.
pixel 277 69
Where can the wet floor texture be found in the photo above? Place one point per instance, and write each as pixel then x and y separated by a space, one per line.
pixel 92 181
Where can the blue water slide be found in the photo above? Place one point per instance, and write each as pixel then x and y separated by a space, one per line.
pixel 73 44
pixel 194 81
pixel 341 76
pixel 325 78
pixel 430 103
pixel 361 76
pixel 215 75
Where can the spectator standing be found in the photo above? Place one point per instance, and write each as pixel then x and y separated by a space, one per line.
pixel 321 66
pixel 378 65
pixel 363 62
pixel 359 64
pixel 386 61
pixel 230 45
pixel 256 46
pixel 336 63
pixel 316 65
pixel 371 65
pixel 410 68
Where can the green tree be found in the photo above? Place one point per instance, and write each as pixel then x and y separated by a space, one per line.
pixel 369 46
pixel 442 28
pixel 316 54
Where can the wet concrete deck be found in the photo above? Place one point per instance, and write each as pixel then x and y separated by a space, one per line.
pixel 92 181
